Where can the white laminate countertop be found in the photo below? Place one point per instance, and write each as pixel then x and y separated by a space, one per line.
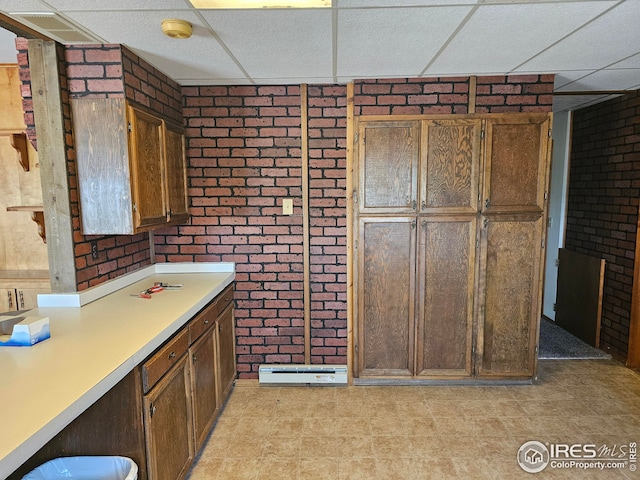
pixel 92 347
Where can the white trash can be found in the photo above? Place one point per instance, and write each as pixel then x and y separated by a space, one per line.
pixel 86 468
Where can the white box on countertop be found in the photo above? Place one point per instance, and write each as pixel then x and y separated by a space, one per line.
pixel 23 330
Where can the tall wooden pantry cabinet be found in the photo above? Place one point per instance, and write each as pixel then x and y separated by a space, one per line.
pixel 449 221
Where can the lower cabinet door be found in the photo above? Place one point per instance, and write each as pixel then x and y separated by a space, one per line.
pixel 226 352
pixel 203 380
pixel 169 425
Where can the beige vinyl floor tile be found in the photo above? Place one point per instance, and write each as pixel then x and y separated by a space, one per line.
pixel 425 432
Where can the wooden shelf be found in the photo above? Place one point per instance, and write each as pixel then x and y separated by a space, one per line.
pixel 20 143
pixel 37 215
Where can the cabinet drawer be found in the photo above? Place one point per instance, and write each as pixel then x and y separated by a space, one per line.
pixel 225 298
pixel 203 321
pixel 154 368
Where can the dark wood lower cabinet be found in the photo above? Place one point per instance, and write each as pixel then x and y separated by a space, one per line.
pixel 204 375
pixel 160 414
pixel 168 426
pixel 226 352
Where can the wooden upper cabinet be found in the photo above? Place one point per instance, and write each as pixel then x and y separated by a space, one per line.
pixel 146 157
pixel 450 165
pixel 131 167
pixel 386 284
pixel 389 154
pixel 176 183
pixel 516 161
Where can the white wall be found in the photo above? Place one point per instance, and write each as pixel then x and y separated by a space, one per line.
pixel 8 53
pixel 557 207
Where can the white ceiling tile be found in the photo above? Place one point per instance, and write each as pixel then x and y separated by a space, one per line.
pixel 101 5
pixel 626 79
pixel 631 62
pixel 9 6
pixel 498 37
pixel 563 103
pixel 393 42
pixel 401 3
pixel 612 37
pixel 198 56
pixel 277 43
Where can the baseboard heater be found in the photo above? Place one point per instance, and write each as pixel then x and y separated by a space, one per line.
pixel 313 374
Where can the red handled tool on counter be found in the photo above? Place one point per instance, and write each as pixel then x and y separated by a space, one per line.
pixel 157 287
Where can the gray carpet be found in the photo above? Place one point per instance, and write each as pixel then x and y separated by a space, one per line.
pixel 557 343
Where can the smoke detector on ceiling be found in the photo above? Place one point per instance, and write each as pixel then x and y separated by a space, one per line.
pixel 176 28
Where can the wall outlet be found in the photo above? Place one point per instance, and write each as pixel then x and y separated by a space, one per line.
pixel 287 206
pixel 94 250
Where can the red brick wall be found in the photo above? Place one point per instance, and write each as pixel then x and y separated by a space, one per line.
pixel 244 154
pixel 604 187
pixel 112 71
pixel 327 118
pixel 25 90
pixel 514 93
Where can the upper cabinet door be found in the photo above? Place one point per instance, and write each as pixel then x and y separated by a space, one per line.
pixel 176 174
pixel 147 168
pixel 516 163
pixel 450 165
pixel 388 156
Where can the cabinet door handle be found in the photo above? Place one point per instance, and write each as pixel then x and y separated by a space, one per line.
pixel 206 322
pixel 21 295
pixel 172 355
pixel 194 358
pixel 152 410
pixel 10 299
pixel 487 203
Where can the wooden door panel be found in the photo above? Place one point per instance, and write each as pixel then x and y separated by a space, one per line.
pixel 386 284
pixel 511 296
pixel 147 168
pixel 388 163
pixel 450 163
pixel 203 383
pixel 168 425
pixel 517 153
pixel 226 352
pixel 446 283
pixel 176 179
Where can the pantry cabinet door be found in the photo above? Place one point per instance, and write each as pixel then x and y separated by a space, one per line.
pixel 516 162
pixel 450 166
pixel 510 296
pixel 447 254
pixel 388 156
pixel 385 296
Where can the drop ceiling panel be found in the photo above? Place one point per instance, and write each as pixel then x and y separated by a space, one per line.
pixel 631 62
pixel 100 5
pixel 399 3
pixel 608 39
pixel 563 103
pixel 24 6
pixel 283 43
pixel 626 79
pixel 393 42
pixel 498 37
pixel 200 56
